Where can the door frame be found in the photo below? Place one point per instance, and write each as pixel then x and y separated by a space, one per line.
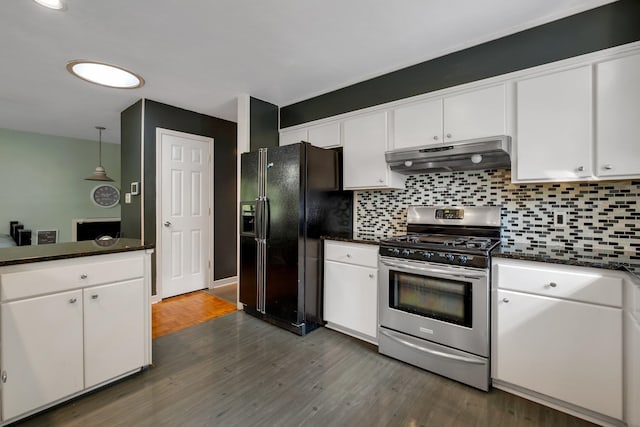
pixel 158 253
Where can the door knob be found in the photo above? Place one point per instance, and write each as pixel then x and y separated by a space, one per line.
pixel 167 223
pixel 505 299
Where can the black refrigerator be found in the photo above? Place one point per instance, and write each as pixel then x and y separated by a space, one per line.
pixel 290 196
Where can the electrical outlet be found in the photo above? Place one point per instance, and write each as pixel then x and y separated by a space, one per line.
pixel 560 218
pixel 127 198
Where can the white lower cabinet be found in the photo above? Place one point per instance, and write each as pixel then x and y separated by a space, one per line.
pixel 41 351
pixel 632 354
pixel 557 332
pixel 351 289
pixel 58 340
pixel 113 330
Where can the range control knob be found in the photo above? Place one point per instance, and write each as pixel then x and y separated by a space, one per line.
pixel 427 254
pixel 463 259
pixel 450 257
pixel 406 252
pixel 395 251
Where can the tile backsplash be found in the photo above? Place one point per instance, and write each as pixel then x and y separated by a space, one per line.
pixel 599 215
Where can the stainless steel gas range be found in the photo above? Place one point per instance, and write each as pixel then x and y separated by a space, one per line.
pixel 434 291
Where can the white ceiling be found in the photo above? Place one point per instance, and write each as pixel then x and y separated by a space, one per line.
pixel 201 54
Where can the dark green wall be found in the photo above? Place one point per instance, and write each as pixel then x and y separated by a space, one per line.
pixel 130 133
pixel 263 124
pixel 224 134
pixel 596 29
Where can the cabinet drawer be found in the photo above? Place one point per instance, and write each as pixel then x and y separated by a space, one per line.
pixel 574 283
pixel 57 276
pixel 352 253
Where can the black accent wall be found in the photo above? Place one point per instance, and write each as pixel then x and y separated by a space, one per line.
pixel 130 151
pixel 607 26
pixel 263 124
pixel 224 134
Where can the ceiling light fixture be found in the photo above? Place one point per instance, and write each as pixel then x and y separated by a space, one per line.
pixel 52 4
pixel 105 74
pixel 100 174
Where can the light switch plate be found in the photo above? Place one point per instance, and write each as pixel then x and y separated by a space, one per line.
pixel 135 188
pixel 127 198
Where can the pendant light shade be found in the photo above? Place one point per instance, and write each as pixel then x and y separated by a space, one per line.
pixel 99 174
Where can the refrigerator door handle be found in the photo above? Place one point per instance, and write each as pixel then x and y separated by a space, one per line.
pixel 258 219
pixel 266 212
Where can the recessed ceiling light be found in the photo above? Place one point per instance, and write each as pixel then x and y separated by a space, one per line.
pixel 52 4
pixel 105 74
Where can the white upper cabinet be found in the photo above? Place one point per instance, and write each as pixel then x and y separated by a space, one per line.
pixel 475 114
pixel 554 126
pixel 618 117
pixel 417 124
pixel 365 142
pixel 469 115
pixel 326 135
pixel 293 136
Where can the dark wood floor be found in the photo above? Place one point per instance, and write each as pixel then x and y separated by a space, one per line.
pixel 237 370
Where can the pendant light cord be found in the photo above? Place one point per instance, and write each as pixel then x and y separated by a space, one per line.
pixel 100 129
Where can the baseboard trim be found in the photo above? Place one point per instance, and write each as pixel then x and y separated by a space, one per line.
pixel 224 282
pixel 559 405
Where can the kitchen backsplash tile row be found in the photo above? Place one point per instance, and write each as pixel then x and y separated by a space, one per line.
pixel 599 215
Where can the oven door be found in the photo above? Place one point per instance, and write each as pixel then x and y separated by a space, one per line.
pixel 448 305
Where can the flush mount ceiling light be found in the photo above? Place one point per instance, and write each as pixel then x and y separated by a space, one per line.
pixel 105 74
pixel 52 4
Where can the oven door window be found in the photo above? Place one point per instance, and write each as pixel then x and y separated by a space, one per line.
pixel 442 299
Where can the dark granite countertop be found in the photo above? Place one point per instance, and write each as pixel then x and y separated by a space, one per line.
pixel 370 239
pixel 37 253
pixel 584 257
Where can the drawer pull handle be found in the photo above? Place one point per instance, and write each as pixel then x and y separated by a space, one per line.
pixel 72 300
pixel 553 284
pixel 83 276
pixel 94 296
pixel 505 300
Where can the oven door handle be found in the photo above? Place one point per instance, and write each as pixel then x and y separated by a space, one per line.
pixel 432 352
pixel 428 270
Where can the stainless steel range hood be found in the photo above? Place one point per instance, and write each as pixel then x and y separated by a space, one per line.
pixel 475 154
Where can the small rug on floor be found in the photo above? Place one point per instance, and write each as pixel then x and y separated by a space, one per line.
pixel 182 311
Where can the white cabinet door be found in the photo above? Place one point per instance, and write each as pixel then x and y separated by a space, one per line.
pixel 41 351
pixel 351 297
pixel 293 136
pixel 475 114
pixel 554 126
pixel 617 117
pixel 325 136
pixel 418 124
pixel 113 330
pixel 568 350
pixel 632 354
pixel 365 141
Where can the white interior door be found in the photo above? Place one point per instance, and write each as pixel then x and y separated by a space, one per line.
pixel 185 212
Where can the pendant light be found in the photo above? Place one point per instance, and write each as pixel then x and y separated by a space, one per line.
pixel 100 174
